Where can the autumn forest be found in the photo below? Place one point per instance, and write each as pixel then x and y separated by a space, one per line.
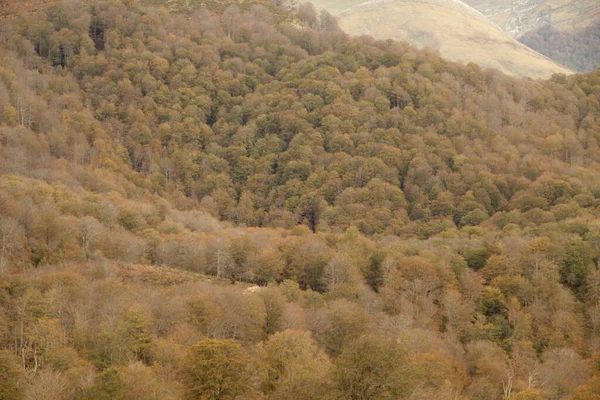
pixel 242 202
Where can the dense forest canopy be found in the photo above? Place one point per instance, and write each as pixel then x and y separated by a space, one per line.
pixel 246 203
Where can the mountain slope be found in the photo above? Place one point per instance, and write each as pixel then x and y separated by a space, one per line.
pixel 518 18
pixel 459 32
pixel 454 214
pixel 567 31
pixel 336 7
pixel 10 7
pixel 580 50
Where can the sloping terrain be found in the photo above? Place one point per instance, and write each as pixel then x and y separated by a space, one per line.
pixel 567 31
pixel 10 7
pixel 13 7
pixel 579 50
pixel 518 18
pixel 336 7
pixel 412 228
pixel 456 30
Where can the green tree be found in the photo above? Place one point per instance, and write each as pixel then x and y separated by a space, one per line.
pixel 294 367
pixel 107 386
pixel 134 331
pixel 11 116
pixel 215 370
pixel 576 264
pixel 373 368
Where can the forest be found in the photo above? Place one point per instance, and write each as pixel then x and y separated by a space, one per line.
pixel 579 50
pixel 244 203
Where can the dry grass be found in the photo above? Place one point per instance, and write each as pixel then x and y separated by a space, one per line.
pixel 456 31
pixel 335 7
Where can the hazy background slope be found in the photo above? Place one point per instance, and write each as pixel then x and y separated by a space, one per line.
pixel 568 31
pixel 518 18
pixel 579 50
pixel 459 32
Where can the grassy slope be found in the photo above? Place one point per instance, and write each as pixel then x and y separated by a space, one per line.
pixel 567 15
pixel 335 7
pixel 458 35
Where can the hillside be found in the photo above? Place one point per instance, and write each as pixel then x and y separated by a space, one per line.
pixel 336 7
pixel 567 31
pixel 15 7
pixel 580 50
pixel 230 204
pixel 519 18
pixel 457 31
pixel 12 7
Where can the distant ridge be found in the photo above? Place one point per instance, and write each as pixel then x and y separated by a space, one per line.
pixel 520 17
pixel 459 32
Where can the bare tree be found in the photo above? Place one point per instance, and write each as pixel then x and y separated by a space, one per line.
pixel 308 15
pixel 89 231
pixel 231 17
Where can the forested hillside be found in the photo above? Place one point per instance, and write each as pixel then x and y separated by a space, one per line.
pixel 579 50
pixel 567 31
pixel 241 204
pixel 458 32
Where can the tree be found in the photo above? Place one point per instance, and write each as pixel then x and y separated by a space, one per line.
pixel 11 238
pixel 134 332
pixel 328 23
pixel 308 15
pixel 9 377
pixel 274 309
pixel 215 370
pixel 294 367
pixel 373 368
pixel 10 116
pixel 576 264
pixel 49 385
pixel 231 18
pixel 107 386
pixel 89 231
pixel 311 208
pixel 341 272
pixel 488 366
pixel 338 324
pixel 63 45
pixel 562 372
pixel 268 266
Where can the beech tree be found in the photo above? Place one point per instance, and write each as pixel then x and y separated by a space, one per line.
pixel 373 368
pixel 294 366
pixel 427 228
pixel 215 369
pixel 11 238
pixel 9 377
